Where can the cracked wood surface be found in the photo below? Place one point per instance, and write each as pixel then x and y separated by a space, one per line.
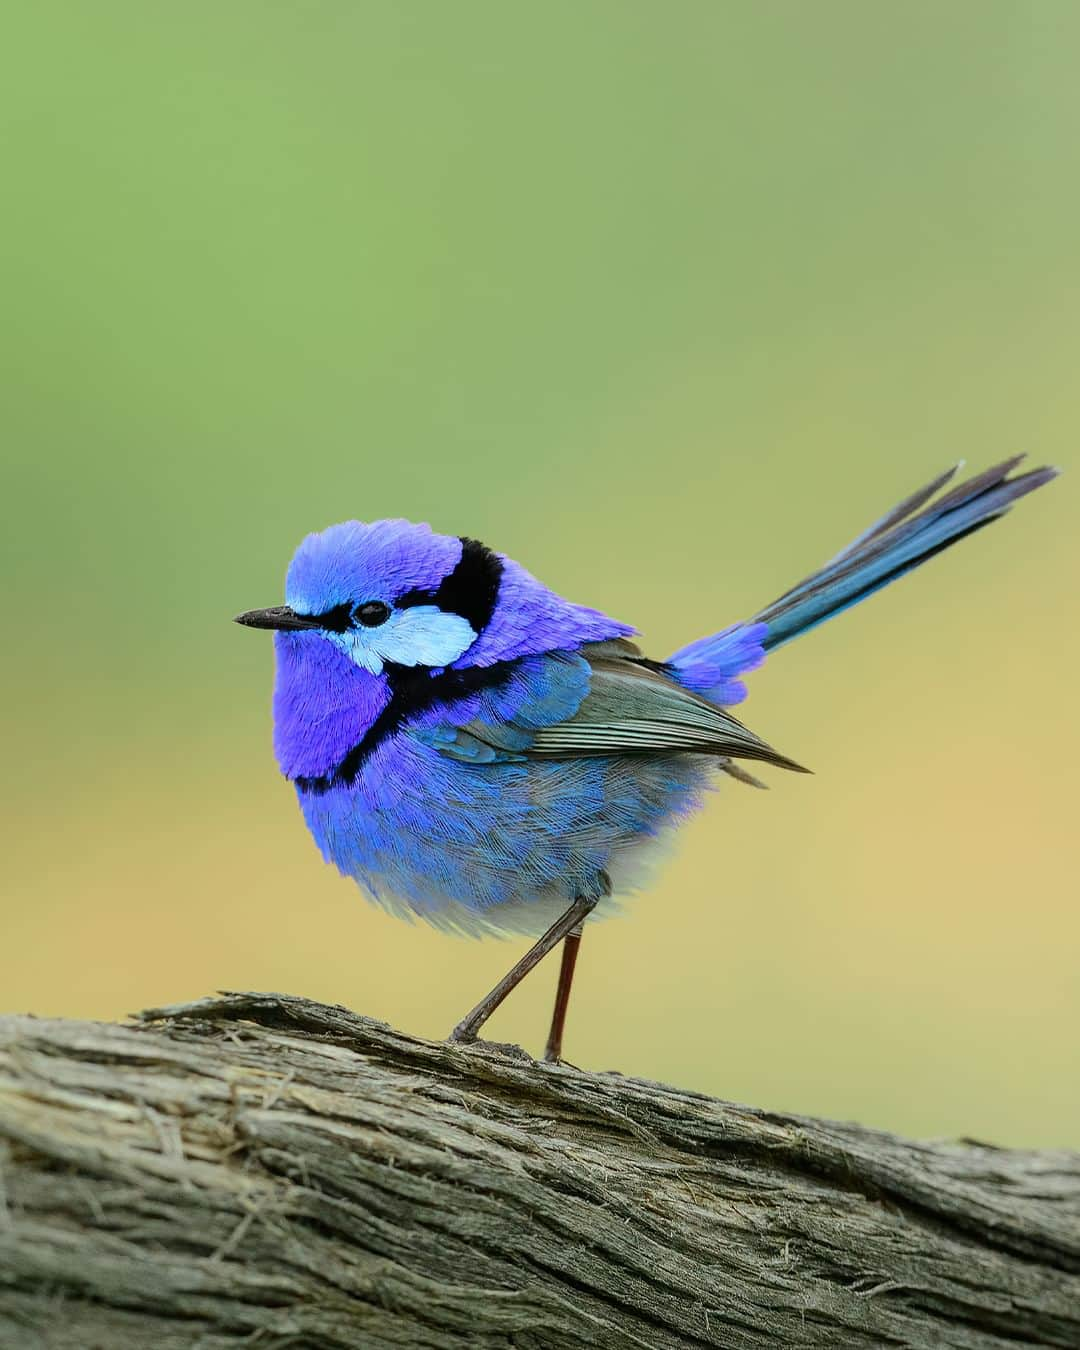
pixel 257 1170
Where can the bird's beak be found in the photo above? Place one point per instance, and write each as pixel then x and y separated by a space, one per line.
pixel 279 617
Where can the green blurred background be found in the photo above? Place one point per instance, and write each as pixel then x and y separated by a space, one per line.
pixel 665 300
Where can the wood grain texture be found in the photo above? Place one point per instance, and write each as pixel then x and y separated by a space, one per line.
pixel 255 1170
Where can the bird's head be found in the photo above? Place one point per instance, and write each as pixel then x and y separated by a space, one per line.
pixel 375 609
pixel 387 594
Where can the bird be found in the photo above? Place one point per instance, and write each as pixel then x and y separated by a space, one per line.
pixel 480 753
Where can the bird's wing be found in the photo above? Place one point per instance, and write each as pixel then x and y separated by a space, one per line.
pixel 634 707
pixel 605 699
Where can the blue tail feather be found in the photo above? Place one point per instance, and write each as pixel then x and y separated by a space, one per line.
pixel 898 543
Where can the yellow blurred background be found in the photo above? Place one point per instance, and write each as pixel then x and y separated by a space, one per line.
pixel 667 301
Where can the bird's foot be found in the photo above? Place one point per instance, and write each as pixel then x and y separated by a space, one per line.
pixel 506 1049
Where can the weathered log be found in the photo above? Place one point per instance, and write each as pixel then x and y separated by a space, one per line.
pixel 264 1171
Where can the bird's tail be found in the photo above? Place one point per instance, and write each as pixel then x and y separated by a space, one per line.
pixel 907 536
pixel 900 541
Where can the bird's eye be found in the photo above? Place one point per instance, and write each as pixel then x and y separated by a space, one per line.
pixel 371 613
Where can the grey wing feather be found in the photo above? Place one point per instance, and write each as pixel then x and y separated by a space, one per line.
pixel 634 708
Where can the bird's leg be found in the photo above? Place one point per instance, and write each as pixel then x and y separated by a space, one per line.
pixel 571 943
pixel 467 1028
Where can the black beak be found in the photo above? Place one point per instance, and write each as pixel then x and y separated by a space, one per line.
pixel 280 617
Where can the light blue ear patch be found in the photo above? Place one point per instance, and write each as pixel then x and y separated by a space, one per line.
pixel 423 635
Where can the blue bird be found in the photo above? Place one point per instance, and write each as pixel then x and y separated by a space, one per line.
pixel 480 753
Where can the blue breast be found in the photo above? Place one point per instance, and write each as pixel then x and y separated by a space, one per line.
pixel 423 831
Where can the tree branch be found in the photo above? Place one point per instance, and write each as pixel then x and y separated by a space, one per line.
pixel 260 1170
